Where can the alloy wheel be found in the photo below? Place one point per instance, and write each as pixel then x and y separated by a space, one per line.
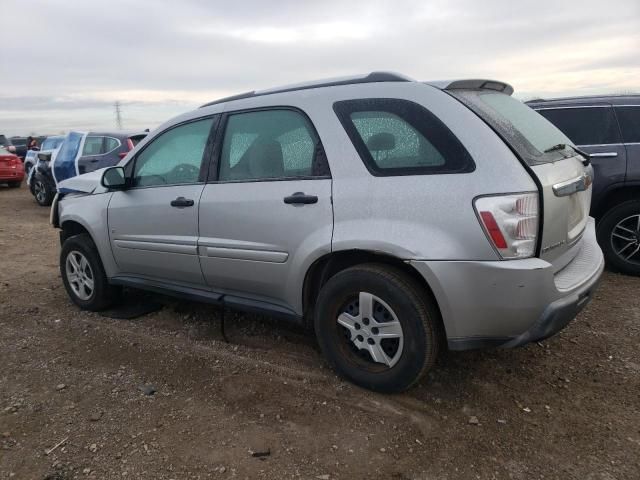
pixel 40 190
pixel 625 239
pixel 79 275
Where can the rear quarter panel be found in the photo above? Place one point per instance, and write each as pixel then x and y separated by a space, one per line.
pixel 423 216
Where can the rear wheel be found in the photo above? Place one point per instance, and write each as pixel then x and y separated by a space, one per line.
pixel 42 191
pixel 83 274
pixel 377 328
pixel 619 237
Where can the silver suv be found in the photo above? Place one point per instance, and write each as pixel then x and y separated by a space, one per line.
pixel 396 217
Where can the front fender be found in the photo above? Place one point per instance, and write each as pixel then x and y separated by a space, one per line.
pixel 90 212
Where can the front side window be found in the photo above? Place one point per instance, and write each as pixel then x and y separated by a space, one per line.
pixel 269 144
pixel 174 157
pixel 93 146
pixel 399 137
pixel 629 118
pixel 585 125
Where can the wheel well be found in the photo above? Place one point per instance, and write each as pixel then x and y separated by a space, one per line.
pixel 71 228
pixel 329 265
pixel 616 197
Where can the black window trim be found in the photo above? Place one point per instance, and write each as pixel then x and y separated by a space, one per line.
pixel 599 105
pixel 319 157
pixel 206 155
pixel 615 112
pixel 343 112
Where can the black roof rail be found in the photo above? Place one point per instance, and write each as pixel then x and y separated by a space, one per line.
pixel 373 77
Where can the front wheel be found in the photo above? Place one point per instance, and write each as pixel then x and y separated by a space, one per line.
pixel 42 191
pixel 83 274
pixel 377 327
pixel 619 237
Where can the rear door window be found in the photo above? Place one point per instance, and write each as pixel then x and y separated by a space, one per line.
pixel 629 118
pixel 585 125
pixel 110 144
pixel 270 144
pixel 93 146
pixel 399 137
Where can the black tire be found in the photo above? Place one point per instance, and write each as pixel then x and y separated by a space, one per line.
pixel 103 294
pixel 14 184
pixel 414 309
pixel 626 214
pixel 42 191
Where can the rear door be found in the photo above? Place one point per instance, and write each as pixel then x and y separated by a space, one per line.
pixel 153 225
pixel 92 151
pixel 268 209
pixel 565 183
pixel 629 118
pixel 594 129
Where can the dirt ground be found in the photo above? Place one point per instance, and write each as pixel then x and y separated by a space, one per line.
pixel 71 404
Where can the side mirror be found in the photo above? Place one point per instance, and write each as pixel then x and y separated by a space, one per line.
pixel 45 157
pixel 114 178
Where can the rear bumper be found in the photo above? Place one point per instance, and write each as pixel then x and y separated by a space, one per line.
pixel 11 175
pixel 511 303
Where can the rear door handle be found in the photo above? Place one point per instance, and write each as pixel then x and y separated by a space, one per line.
pixel 603 155
pixel 300 198
pixel 181 202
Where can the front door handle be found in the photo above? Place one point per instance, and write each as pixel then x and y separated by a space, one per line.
pixel 603 155
pixel 300 198
pixel 182 202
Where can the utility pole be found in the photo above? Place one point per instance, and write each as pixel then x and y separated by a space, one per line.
pixel 116 105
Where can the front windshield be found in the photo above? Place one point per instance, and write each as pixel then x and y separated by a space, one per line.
pixel 528 132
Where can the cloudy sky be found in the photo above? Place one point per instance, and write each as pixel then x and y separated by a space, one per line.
pixel 64 63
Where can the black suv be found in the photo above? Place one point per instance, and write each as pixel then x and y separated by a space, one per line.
pixel 99 150
pixel 608 129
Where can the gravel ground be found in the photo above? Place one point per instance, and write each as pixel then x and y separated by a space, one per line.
pixel 265 405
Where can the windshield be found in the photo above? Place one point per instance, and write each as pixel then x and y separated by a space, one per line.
pixel 52 143
pixel 526 131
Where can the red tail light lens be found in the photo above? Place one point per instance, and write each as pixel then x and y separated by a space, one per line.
pixel 122 155
pixel 493 230
pixel 510 222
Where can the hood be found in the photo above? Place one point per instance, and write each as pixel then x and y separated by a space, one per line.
pixel 85 183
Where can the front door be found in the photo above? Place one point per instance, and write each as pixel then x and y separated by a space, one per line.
pixel 153 225
pixel 268 210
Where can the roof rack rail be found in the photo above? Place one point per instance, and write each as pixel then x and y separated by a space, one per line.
pixel 373 77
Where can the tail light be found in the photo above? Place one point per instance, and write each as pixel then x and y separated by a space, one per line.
pixel 129 148
pixel 511 223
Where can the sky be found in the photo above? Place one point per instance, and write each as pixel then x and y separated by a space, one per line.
pixel 65 63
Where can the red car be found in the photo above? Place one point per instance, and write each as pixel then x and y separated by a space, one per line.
pixel 11 168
